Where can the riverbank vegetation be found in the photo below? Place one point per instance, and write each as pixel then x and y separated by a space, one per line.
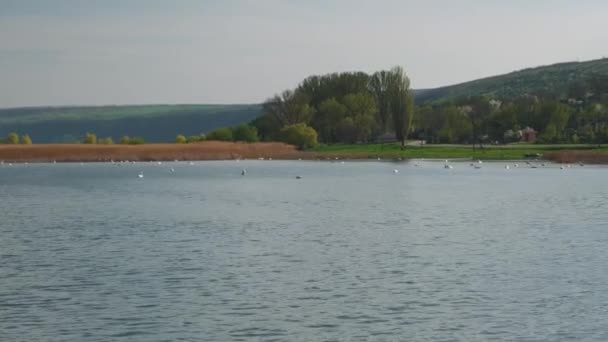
pixel 360 108
pixel 208 150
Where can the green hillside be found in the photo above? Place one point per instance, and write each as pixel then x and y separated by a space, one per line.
pixel 556 80
pixel 155 123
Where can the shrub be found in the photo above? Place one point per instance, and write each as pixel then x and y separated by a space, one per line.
pixel 193 139
pixel 90 138
pixel 221 134
pixel 26 140
pixel 246 133
pixel 300 135
pixel 125 140
pixel 180 139
pixel 12 138
pixel 136 141
pixel 105 141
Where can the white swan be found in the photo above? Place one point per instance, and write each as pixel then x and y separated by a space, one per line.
pixel 140 175
pixel 507 167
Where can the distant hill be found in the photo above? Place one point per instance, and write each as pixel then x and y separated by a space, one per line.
pixel 551 79
pixel 155 123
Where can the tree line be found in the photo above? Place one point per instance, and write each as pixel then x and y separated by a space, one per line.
pixel 344 107
pixel 581 118
pixel 355 107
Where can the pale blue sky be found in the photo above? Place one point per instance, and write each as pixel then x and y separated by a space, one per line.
pixel 68 52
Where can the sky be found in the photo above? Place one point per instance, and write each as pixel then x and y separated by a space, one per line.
pixel 100 52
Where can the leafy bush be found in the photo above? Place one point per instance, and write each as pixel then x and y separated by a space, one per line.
pixel 246 133
pixel 12 138
pixel 26 140
pixel 180 139
pixel 195 138
pixel 125 140
pixel 136 141
pixel 300 135
pixel 221 134
pixel 105 141
pixel 90 138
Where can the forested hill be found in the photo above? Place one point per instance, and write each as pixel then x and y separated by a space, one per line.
pixel 555 80
pixel 154 123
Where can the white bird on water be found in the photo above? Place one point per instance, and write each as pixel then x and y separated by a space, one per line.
pixel 140 175
pixel 507 167
pixel 243 172
pixel 447 165
pixel 172 170
pixel 395 171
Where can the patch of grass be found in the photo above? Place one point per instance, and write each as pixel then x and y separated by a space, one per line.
pixel 507 152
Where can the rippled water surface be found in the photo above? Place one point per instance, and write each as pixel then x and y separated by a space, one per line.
pixel 350 252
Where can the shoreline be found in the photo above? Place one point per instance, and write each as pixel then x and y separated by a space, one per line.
pixel 216 150
pixel 212 150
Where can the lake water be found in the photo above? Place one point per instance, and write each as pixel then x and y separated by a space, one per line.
pixel 350 252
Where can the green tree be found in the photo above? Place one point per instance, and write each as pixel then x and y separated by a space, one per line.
pixel 125 140
pixel 361 107
pixel 26 140
pixel 289 108
pixel 326 119
pixel 549 134
pixel 90 138
pixel 268 127
pixel 401 103
pixel 300 135
pixel 180 139
pixel 221 134
pixel 12 138
pixel 246 133
pixel 379 85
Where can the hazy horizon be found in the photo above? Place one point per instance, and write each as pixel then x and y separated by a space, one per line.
pixel 157 52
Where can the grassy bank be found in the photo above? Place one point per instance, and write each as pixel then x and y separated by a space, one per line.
pixel 394 151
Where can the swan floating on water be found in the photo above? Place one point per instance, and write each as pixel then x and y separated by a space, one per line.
pixel 140 175
pixel 507 167
pixel 395 171
pixel 172 170
pixel 243 172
